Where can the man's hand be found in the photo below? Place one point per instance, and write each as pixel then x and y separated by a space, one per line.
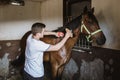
pixel 60 34
pixel 69 33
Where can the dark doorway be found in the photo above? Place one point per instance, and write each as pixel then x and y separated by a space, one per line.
pixel 73 8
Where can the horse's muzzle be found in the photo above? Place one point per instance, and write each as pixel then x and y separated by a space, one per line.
pixel 101 40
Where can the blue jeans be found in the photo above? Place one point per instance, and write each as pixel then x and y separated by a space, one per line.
pixel 26 76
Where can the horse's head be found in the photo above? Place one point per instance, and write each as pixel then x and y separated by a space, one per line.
pixel 90 26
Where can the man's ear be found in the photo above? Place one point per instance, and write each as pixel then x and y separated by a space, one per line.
pixel 38 34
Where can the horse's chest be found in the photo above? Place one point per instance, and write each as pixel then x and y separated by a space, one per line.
pixel 62 52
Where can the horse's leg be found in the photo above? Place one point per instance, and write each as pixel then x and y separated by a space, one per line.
pixel 59 72
pixel 54 71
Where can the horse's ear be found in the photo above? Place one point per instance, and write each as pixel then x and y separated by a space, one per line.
pixel 92 10
pixel 85 9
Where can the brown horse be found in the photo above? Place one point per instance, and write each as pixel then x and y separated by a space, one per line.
pixel 58 59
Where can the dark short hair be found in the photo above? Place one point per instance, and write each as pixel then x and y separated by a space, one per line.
pixel 37 28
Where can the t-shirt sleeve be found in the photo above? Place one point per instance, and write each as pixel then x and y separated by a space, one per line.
pixel 42 46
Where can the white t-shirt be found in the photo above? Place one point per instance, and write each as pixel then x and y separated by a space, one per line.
pixel 34 56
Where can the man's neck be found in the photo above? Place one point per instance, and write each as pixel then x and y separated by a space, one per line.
pixel 36 37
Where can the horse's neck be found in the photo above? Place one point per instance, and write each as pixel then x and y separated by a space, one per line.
pixel 51 40
pixel 71 41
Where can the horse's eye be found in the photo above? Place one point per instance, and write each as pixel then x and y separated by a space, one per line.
pixel 90 21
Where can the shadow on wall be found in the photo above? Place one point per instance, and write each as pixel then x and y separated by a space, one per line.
pixel 111 30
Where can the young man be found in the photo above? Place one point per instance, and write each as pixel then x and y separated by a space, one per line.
pixel 33 68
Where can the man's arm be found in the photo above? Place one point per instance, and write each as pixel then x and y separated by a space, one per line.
pixel 49 33
pixel 61 43
pixel 57 34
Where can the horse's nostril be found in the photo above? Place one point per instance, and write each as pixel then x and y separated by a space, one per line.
pixel 101 41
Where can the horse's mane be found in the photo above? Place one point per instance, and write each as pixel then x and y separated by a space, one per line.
pixel 71 25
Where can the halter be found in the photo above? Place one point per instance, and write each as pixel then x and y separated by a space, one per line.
pixel 90 34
